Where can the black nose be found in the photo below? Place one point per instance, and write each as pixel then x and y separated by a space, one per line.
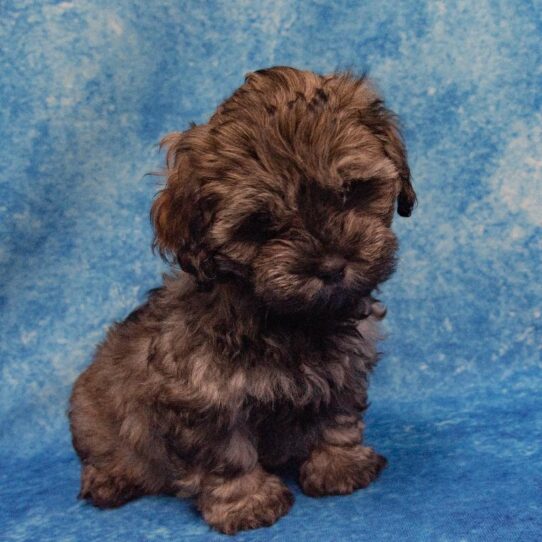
pixel 331 269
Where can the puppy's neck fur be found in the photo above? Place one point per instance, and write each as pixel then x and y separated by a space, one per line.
pixel 234 304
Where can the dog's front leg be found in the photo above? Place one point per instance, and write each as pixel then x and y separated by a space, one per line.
pixel 239 494
pixel 339 464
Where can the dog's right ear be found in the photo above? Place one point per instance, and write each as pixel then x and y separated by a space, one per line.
pixel 179 215
pixel 384 125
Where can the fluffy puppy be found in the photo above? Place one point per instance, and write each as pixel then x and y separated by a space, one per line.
pixel 279 212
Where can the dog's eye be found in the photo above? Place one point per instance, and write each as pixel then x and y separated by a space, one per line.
pixel 359 192
pixel 256 228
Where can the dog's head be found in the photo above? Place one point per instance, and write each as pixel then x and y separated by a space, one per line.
pixel 291 188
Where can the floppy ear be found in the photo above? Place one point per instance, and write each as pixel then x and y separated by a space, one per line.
pixel 178 214
pixel 384 125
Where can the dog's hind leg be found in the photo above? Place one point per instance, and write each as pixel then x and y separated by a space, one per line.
pixel 106 489
pixel 121 459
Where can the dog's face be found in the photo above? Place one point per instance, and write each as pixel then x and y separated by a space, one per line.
pixel 291 188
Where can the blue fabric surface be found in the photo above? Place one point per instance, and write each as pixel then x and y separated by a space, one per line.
pixel 88 88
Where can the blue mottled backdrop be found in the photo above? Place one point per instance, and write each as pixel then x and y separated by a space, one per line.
pixel 89 87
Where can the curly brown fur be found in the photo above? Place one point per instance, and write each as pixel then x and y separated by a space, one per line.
pixel 279 211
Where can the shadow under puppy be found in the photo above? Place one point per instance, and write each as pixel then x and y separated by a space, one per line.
pixel 279 210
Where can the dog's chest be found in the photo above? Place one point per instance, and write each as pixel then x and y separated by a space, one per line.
pixel 283 431
pixel 300 370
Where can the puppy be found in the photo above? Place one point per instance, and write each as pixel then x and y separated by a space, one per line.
pixel 279 212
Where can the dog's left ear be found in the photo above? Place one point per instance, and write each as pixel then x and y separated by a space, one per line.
pixel 384 125
pixel 180 214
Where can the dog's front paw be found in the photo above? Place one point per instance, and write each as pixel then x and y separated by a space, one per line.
pixel 334 470
pixel 257 499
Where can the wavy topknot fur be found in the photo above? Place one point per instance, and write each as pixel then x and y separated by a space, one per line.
pixel 279 212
